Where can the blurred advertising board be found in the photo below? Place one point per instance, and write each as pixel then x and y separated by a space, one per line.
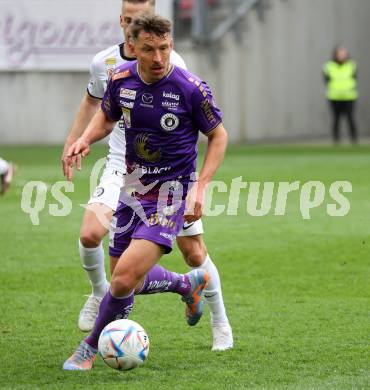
pixel 54 35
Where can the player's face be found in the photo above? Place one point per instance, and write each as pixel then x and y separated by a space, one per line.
pixel 153 55
pixel 342 54
pixel 129 12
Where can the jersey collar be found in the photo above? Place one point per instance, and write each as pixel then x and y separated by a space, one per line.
pixel 122 53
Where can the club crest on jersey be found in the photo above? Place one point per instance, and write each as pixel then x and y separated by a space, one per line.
pixel 127 93
pixel 169 122
pixel 110 64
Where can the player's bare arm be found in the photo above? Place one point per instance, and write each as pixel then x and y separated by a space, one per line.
pixel 217 142
pixel 88 108
pixel 99 127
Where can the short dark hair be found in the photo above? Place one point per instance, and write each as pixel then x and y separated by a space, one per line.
pixel 151 2
pixel 153 24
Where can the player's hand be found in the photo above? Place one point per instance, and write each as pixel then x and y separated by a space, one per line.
pixel 64 159
pixel 194 203
pixel 74 155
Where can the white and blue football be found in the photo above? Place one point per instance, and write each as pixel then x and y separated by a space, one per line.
pixel 123 345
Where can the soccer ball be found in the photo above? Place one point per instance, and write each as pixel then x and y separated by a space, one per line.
pixel 123 345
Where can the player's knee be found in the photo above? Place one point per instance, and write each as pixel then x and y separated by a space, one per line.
pixel 123 283
pixel 194 255
pixel 90 238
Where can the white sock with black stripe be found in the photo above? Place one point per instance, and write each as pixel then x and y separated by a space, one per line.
pixel 213 294
pixel 93 263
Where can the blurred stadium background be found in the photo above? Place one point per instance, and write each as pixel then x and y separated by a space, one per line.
pixel 263 59
pixel 296 290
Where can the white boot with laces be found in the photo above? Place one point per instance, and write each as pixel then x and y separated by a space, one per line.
pixel 222 337
pixel 88 314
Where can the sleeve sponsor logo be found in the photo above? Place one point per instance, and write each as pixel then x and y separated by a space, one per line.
pixel 127 93
pixel 121 75
pixel 99 191
pixel 198 84
pixel 107 104
pixel 169 122
pixel 207 109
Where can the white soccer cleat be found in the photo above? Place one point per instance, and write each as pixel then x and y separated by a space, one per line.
pixel 82 359
pixel 88 314
pixel 222 337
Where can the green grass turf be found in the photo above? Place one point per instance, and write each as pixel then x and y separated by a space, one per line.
pixel 296 291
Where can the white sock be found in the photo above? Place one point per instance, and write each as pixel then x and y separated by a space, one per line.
pixel 213 293
pixel 4 166
pixel 93 263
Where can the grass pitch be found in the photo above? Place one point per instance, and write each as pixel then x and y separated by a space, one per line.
pixel 296 291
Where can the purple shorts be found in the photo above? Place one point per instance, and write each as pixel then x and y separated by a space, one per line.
pixel 146 222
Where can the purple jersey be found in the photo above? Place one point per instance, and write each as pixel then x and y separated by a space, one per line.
pixel 162 121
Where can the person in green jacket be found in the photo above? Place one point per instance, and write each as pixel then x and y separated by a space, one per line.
pixel 341 80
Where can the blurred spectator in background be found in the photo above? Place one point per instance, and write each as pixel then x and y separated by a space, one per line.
pixel 341 79
pixel 6 175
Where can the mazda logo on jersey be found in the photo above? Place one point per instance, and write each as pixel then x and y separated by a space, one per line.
pixel 169 122
pixel 147 98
